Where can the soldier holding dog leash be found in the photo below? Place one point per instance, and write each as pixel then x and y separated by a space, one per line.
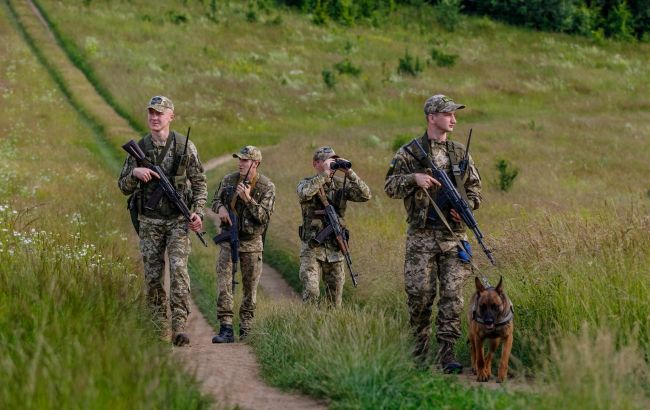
pixel 434 256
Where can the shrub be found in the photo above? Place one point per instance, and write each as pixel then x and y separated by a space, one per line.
pixel 447 13
pixel 329 78
pixel 442 59
pixel 346 67
pixel 400 140
pixel 507 174
pixel 407 65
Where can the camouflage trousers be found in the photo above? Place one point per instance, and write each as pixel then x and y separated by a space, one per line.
pixel 432 262
pixel 156 236
pixel 311 269
pixel 251 271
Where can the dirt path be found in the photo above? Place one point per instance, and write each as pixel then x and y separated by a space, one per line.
pixel 229 373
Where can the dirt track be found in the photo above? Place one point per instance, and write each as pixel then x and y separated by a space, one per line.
pixel 229 373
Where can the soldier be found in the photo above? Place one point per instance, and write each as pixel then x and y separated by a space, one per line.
pixel 165 228
pixel 325 258
pixel 251 196
pixel 433 256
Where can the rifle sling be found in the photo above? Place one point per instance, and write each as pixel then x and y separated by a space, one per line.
pixel 455 170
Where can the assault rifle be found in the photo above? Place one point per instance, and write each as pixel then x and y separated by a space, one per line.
pixel 414 148
pixel 232 234
pixel 334 228
pixel 168 189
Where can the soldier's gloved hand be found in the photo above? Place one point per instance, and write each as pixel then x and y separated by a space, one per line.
pixel 223 215
pixel 244 191
pixel 455 216
pixel 195 224
pixel 426 181
pixel 144 174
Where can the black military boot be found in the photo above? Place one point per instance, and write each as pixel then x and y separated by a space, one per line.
pixel 447 359
pixel 181 339
pixel 243 334
pixel 225 335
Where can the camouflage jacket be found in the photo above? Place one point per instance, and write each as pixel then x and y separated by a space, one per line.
pixel 355 190
pixel 189 178
pixel 400 184
pixel 253 216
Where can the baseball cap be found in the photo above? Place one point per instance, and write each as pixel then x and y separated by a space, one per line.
pixel 440 103
pixel 249 152
pixel 159 103
pixel 324 153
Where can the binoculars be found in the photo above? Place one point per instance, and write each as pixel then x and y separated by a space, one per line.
pixel 340 164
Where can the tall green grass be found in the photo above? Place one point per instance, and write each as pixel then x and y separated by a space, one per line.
pixel 570 236
pixel 75 333
pixel 359 358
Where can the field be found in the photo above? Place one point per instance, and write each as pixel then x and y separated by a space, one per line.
pixel 73 335
pixel 571 236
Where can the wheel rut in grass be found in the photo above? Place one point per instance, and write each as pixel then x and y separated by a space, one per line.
pixel 228 372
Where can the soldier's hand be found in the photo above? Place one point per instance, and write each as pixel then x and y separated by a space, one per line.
pixel 327 164
pixel 426 181
pixel 455 216
pixel 244 191
pixel 345 170
pixel 223 215
pixel 196 224
pixel 144 174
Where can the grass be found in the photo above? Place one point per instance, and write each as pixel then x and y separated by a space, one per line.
pixel 569 235
pixel 74 332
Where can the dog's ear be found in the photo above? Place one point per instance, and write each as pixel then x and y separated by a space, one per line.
pixel 479 285
pixel 499 287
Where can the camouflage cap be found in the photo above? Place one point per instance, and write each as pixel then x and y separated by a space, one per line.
pixel 324 153
pixel 159 103
pixel 440 103
pixel 249 152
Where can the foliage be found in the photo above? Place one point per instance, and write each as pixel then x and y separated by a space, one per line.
pixel 358 358
pixel 329 78
pixel 74 329
pixel 443 59
pixel 447 13
pixel 408 65
pixel 507 174
pixel 346 67
pixel 614 18
pixel 400 140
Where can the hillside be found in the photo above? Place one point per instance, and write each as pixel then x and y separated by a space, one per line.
pixel 570 113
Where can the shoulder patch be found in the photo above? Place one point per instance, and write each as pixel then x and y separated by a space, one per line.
pixel 391 167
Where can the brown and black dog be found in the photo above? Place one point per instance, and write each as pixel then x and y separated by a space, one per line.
pixel 490 317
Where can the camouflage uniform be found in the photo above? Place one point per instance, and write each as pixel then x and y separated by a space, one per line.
pixel 326 258
pixel 253 218
pixel 165 228
pixel 431 250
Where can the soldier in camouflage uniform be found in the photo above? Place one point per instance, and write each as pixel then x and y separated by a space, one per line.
pixel 433 258
pixel 165 228
pixel 251 196
pixel 325 258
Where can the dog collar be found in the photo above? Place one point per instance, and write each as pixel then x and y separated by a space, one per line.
pixel 504 320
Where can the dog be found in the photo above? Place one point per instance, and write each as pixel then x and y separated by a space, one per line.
pixel 490 317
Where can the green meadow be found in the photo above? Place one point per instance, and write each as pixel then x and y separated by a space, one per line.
pixel 73 333
pixel 571 236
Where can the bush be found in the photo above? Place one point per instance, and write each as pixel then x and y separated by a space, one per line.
pixel 346 67
pixel 447 13
pixel 329 78
pixel 441 59
pixel 400 140
pixel 507 174
pixel 407 65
